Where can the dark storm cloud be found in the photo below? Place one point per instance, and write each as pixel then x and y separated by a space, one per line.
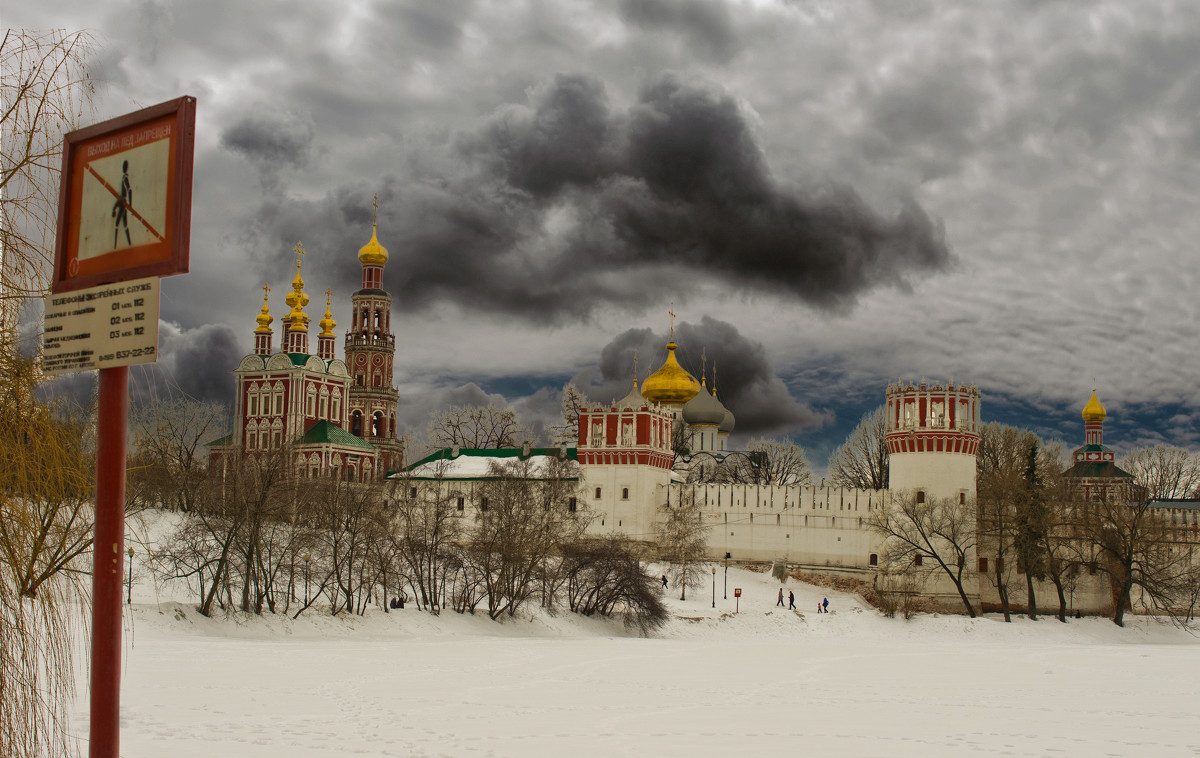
pixel 272 141
pixel 746 380
pixel 706 25
pixel 549 210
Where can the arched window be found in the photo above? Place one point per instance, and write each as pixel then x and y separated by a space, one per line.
pixel 356 421
pixel 377 424
pixel 324 413
pixel 874 559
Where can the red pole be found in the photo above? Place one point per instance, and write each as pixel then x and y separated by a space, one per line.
pixel 108 554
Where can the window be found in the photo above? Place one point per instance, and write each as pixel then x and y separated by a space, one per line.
pixel 412 491
pixel 572 505
pixel 624 493
pixel 252 405
pixel 324 406
pixel 462 503
pixel 278 410
pixel 917 560
pixel 920 497
pixel 275 439
pixel 597 493
pixel 336 415
pixel 962 498
pixel 483 503
pixel 310 403
pixel 983 565
pixel 874 559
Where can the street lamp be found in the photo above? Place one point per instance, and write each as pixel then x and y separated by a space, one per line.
pixel 307 558
pixel 727 576
pixel 714 586
pixel 129 596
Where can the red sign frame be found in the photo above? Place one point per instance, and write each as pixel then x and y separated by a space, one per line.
pixel 168 129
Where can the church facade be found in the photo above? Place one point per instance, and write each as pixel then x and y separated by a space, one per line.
pixel 332 417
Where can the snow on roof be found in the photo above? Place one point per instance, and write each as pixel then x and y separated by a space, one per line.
pixel 475 466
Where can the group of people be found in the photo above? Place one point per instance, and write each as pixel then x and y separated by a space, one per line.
pixel 822 607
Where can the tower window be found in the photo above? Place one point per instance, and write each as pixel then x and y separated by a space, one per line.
pixel 597 493
pixel 920 499
pixel 624 493
pixel 572 505
pixel 874 560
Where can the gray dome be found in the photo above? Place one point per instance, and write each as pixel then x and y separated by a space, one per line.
pixel 704 409
pixel 726 425
pixel 633 400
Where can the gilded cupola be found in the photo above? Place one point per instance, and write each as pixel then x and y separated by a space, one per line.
pixel 1093 412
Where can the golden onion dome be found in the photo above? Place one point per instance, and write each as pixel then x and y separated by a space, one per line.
pixel 670 385
pixel 373 253
pixel 265 318
pixel 1093 412
pixel 327 323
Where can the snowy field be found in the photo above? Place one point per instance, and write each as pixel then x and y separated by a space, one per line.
pixel 763 681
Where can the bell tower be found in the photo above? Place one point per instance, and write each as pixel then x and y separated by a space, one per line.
pixel 370 355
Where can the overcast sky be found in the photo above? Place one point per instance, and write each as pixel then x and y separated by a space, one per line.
pixel 832 194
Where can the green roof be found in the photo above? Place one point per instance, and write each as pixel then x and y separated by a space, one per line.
pixel 226 440
pixel 325 433
pixel 448 453
pixel 1096 470
pixel 299 359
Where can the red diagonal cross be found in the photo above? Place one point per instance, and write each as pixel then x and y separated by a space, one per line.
pixel 128 207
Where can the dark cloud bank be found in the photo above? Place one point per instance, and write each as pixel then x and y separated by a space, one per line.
pixel 549 209
pixel 746 381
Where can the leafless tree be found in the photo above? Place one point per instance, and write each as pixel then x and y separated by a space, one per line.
pixel 1164 472
pixel 168 464
pixel 525 518
pixel 606 576
pixel 347 517
pixel 928 535
pixel 768 461
pixel 567 433
pixel 427 527
pixel 1135 545
pixel 476 426
pixel 683 542
pixel 862 460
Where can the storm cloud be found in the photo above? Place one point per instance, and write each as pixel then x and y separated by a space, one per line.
pixel 745 377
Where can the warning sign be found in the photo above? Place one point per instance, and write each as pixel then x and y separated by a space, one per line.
pixel 101 327
pixel 125 205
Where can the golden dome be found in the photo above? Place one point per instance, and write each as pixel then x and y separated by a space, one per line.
pixel 297 299
pixel 265 318
pixel 373 253
pixel 670 385
pixel 1093 412
pixel 327 323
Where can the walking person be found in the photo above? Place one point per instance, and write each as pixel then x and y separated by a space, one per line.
pixel 791 600
pixel 664 581
pixel 780 601
pixel 825 605
pixel 819 607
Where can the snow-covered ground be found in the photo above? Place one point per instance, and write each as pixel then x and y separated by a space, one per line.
pixel 712 683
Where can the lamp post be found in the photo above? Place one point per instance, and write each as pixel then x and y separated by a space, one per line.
pixel 727 576
pixel 307 558
pixel 129 594
pixel 714 586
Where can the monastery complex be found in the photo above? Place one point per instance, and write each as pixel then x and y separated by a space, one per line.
pixel 337 418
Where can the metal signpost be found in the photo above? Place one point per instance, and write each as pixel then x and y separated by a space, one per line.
pixel 737 594
pixel 124 220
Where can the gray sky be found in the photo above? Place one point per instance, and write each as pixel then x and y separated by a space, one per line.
pixel 832 194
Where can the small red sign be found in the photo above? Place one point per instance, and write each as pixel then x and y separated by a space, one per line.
pixel 737 591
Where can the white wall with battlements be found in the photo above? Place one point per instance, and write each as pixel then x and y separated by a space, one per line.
pixel 806 526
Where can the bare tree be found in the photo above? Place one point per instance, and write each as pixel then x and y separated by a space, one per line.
pixel 168 464
pixel 525 517
pixel 44 92
pixel 1134 544
pixel 1164 472
pixel 862 460
pixel 769 461
pixel 567 433
pixel 427 527
pixel 606 577
pixel 683 542
pixel 928 535
pixel 476 426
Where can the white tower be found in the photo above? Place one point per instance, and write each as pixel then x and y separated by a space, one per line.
pixel 933 438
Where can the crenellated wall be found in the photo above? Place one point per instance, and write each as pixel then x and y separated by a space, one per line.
pixel 808 526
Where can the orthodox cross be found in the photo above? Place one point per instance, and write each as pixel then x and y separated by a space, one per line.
pixel 328 297
pixel 672 314
pixel 375 215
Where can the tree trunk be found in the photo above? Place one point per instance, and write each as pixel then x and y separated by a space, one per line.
pixel 1002 589
pixel 1032 600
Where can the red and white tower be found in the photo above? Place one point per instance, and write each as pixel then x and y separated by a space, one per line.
pixel 370 356
pixel 933 438
pixel 326 337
